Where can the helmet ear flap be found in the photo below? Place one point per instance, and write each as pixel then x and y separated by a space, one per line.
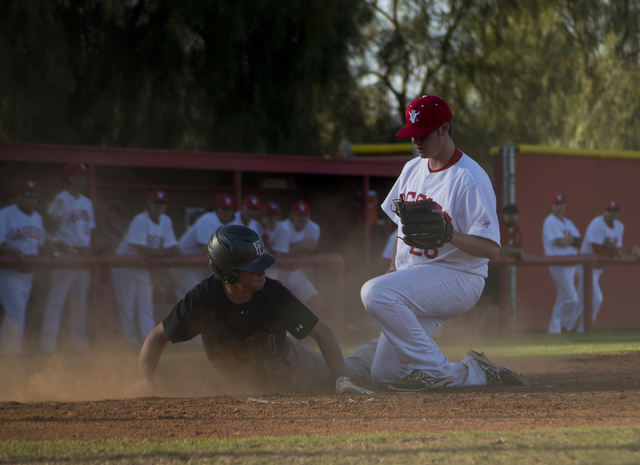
pixel 230 278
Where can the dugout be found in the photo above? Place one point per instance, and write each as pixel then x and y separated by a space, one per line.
pixel 528 175
pixel 122 178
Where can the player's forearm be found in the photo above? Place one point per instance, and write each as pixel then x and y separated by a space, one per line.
pixel 330 349
pixel 151 352
pixel 474 245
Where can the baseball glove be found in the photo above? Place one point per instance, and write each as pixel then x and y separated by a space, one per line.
pixel 635 251
pixel 422 228
pixel 576 242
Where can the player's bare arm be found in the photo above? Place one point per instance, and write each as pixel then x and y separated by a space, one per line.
pixel 330 349
pixel 475 245
pixel 392 265
pixel 151 351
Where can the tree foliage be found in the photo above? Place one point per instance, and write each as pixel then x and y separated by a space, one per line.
pixel 251 75
pixel 296 76
pixel 554 72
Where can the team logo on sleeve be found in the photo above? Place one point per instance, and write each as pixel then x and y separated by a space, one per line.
pixel 259 247
pixel 486 223
pixel 413 116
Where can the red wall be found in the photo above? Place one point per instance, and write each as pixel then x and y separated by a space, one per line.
pixel 587 182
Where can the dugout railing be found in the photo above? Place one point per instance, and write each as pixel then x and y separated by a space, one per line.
pixel 588 262
pixel 332 263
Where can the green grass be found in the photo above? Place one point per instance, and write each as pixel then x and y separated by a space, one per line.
pixel 614 445
pixel 535 344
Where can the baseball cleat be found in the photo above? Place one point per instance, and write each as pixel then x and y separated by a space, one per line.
pixel 495 374
pixel 418 381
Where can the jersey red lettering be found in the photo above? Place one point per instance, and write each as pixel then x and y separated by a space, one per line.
pixel 413 251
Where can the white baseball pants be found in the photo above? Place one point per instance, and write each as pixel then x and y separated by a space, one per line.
pixel 597 297
pixel 566 298
pixel 75 284
pixel 15 289
pixel 134 295
pixel 408 305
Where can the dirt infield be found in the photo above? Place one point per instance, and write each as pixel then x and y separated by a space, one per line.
pixel 594 390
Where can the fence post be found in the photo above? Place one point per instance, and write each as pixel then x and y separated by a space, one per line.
pixel 504 299
pixel 587 297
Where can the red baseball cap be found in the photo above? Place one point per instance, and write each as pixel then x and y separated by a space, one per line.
pixel 252 201
pixel 300 208
pixel 424 116
pixel 612 205
pixel 225 201
pixel 75 169
pixel 28 186
pixel 271 208
pixel 557 198
pixel 158 196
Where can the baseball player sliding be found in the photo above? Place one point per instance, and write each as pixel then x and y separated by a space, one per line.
pixel 445 208
pixel 149 234
pixel 21 233
pixel 244 316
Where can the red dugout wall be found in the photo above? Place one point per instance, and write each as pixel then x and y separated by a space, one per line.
pixel 588 178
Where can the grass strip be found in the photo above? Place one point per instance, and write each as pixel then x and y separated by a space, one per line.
pixel 611 445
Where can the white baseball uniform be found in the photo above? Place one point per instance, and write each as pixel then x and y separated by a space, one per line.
pixel 76 220
pixel 296 280
pixel 25 233
pixel 391 243
pixel 431 286
pixel 253 224
pixel 564 308
pixel 597 232
pixel 133 286
pixel 278 240
pixel 197 235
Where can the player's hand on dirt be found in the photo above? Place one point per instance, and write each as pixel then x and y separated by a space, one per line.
pixel 143 387
pixel 345 386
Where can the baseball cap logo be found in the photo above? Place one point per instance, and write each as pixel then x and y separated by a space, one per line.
pixel 413 116
pixel 259 247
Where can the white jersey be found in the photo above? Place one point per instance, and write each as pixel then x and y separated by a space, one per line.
pixel 463 191
pixel 598 231
pixel 279 239
pixel 310 231
pixel 199 233
pixel 555 228
pixel 21 231
pixel 143 231
pixel 253 224
pixel 75 217
pixel 391 242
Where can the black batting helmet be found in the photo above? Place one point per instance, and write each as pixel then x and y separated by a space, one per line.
pixel 235 247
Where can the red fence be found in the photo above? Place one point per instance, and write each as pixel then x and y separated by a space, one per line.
pixel 588 262
pixel 333 263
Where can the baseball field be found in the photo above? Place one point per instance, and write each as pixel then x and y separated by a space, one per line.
pixel 583 407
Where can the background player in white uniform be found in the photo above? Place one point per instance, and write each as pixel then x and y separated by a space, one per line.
pixel 149 234
pixel 276 238
pixel 561 237
pixel 277 233
pixel 249 214
pixel 423 288
pixel 21 233
pixel 71 219
pixel 305 235
pixel 603 237
pixel 194 242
